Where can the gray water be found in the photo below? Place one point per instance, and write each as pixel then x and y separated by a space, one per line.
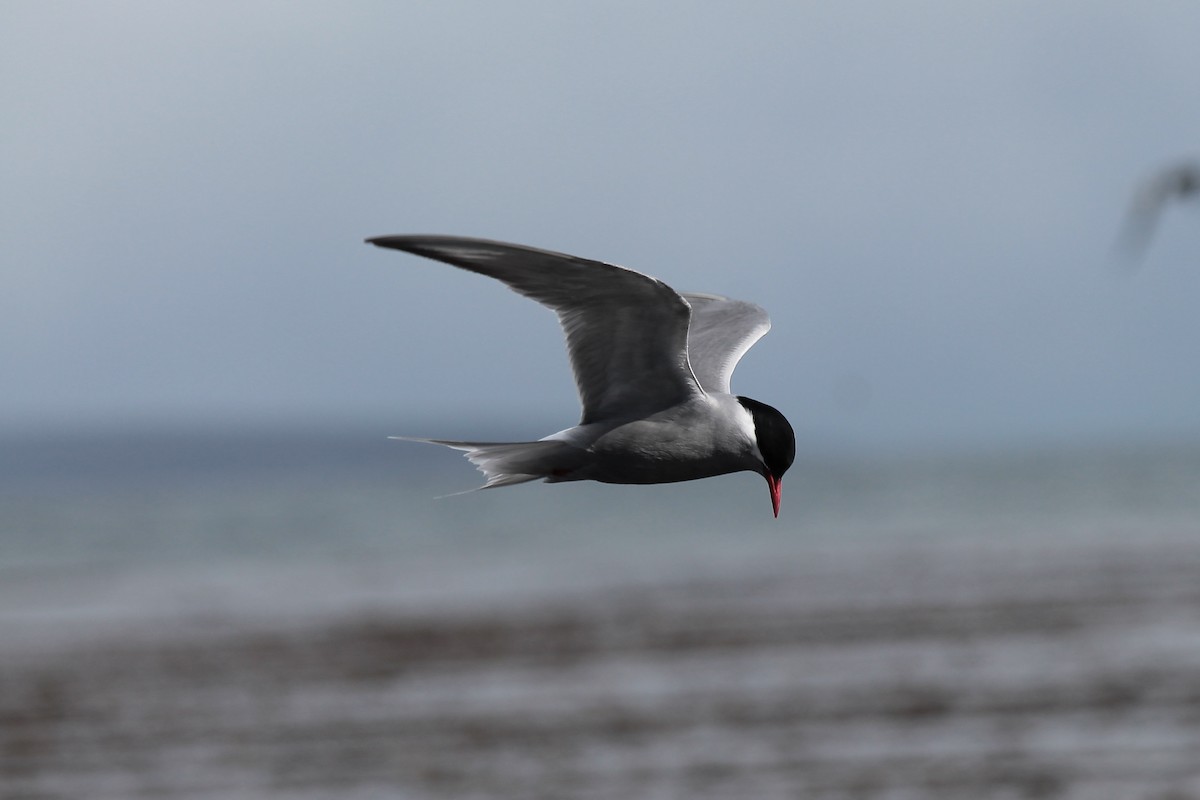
pixel 300 615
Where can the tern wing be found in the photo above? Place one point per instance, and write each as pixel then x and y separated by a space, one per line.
pixel 721 332
pixel 626 332
pixel 1142 218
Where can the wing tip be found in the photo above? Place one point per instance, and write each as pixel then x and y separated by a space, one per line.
pixel 391 241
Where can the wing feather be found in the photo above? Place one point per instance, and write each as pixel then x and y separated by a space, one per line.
pixel 721 332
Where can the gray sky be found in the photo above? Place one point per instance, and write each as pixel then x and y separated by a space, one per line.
pixel 923 195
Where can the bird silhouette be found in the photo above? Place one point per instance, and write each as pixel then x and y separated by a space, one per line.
pixel 1171 184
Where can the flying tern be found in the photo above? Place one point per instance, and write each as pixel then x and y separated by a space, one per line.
pixel 652 366
pixel 1170 184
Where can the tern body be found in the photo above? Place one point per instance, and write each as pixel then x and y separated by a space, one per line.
pixel 652 366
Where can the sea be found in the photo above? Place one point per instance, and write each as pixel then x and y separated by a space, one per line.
pixel 247 613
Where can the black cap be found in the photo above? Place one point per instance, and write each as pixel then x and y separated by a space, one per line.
pixel 776 439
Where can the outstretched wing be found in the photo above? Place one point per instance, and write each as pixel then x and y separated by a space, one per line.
pixel 721 332
pixel 627 333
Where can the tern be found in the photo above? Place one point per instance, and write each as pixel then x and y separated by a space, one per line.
pixel 1177 182
pixel 652 366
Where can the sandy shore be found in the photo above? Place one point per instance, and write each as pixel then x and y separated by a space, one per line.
pixel 874 671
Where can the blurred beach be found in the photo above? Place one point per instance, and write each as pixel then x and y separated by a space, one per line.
pixel 299 616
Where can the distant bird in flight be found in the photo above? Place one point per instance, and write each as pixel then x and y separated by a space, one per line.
pixel 1178 182
pixel 652 367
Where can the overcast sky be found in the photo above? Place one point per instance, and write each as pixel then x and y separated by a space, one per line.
pixel 923 195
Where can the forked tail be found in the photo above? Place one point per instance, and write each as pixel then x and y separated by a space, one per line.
pixel 508 463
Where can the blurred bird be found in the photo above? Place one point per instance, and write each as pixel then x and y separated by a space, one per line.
pixel 1178 182
pixel 652 367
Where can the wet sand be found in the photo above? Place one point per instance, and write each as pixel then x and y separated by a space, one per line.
pixel 918 670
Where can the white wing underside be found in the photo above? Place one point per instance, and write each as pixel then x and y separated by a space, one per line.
pixel 721 332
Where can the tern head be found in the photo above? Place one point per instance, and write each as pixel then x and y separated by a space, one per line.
pixel 776 444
